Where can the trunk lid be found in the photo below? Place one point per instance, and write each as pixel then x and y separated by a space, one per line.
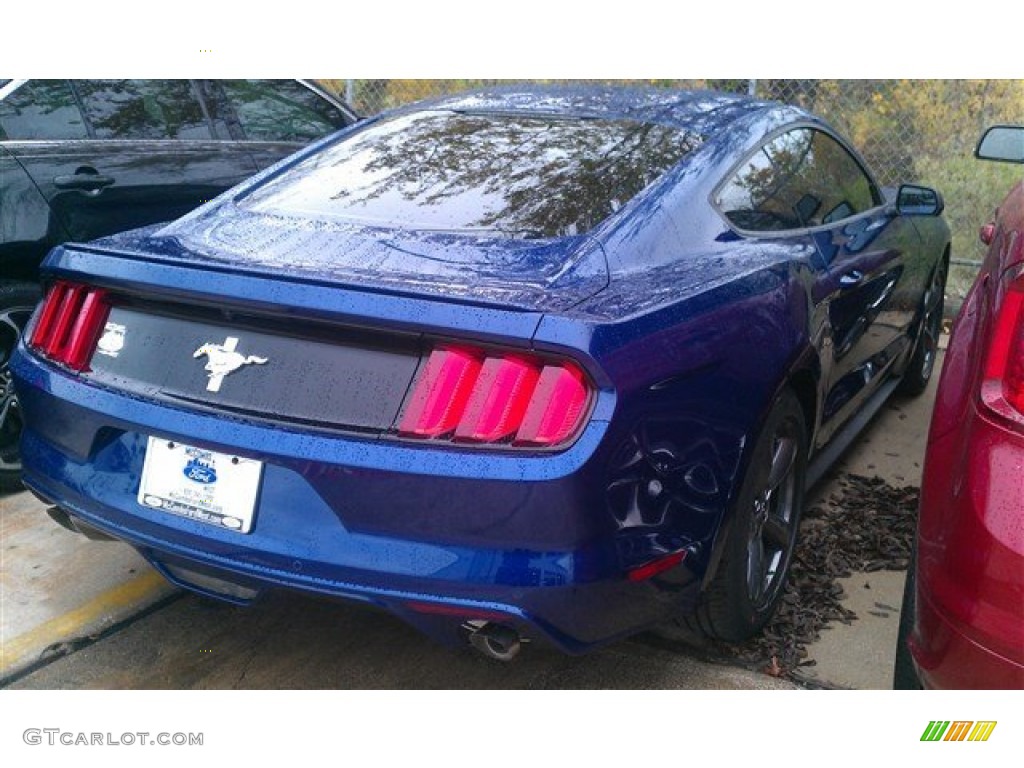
pixel 309 352
pixel 531 275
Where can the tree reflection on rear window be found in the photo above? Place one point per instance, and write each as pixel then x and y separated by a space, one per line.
pixel 512 175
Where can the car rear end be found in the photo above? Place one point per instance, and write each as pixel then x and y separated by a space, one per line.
pixel 358 346
pixel 436 460
pixel 969 621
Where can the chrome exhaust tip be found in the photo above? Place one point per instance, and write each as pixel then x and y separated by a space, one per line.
pixel 496 641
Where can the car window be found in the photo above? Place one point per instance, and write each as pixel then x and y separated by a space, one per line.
pixel 221 114
pixel 42 110
pixel 516 175
pixel 280 110
pixel 143 109
pixel 803 178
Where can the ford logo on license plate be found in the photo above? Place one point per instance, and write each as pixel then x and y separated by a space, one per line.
pixel 200 472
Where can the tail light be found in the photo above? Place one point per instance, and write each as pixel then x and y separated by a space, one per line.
pixel 70 324
pixel 469 395
pixel 1003 387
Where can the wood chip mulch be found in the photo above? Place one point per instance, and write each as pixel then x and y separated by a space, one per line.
pixel 866 525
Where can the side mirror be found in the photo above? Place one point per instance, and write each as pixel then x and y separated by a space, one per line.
pixel 912 200
pixel 1004 143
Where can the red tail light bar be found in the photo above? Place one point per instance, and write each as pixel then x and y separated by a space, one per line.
pixel 1003 387
pixel 463 394
pixel 70 324
pixel 468 395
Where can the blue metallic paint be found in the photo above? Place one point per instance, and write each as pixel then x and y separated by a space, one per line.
pixel 688 330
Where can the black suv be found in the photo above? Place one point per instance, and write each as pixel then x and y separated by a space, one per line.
pixel 80 159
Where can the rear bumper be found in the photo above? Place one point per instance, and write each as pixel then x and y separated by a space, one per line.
pixel 947 658
pixel 435 535
pixel 969 626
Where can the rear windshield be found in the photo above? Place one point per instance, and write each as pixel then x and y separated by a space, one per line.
pixel 513 175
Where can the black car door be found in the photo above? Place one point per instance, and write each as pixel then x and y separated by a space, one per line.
pixel 146 152
pixel 36 118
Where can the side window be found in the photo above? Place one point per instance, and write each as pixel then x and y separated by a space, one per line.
pixel 225 124
pixel 281 110
pixel 803 178
pixel 42 110
pixel 846 189
pixel 143 109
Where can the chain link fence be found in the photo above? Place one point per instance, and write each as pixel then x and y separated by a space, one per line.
pixel 909 131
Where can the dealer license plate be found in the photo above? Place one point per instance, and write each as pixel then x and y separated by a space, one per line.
pixel 215 488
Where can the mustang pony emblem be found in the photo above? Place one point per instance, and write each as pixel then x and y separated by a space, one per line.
pixel 222 359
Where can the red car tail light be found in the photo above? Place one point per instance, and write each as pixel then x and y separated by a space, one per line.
pixel 500 398
pixel 555 409
pixel 472 396
pixel 1003 387
pixel 70 324
pixel 441 393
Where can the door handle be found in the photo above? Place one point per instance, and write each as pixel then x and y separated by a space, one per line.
pixel 83 181
pixel 852 278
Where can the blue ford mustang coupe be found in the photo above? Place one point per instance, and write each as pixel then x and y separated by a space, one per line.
pixel 529 363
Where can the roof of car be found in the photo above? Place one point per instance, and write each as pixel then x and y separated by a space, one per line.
pixel 701 111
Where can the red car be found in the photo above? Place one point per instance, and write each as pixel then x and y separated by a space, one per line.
pixel 963 618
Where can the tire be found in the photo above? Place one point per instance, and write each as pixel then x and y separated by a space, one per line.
pixel 17 302
pixel 749 582
pixel 922 364
pixel 904 673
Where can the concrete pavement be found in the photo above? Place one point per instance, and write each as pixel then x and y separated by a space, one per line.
pixel 861 654
pixel 58 587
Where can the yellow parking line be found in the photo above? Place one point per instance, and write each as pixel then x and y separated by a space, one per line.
pixel 74 623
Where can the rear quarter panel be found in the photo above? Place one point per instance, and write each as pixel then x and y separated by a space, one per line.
pixel 694 377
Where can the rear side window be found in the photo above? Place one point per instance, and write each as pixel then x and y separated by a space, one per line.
pixel 280 110
pixel 803 178
pixel 143 109
pixel 42 110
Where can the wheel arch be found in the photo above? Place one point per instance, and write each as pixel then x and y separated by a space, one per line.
pixel 803 379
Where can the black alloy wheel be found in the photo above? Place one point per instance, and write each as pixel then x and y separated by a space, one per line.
pixel 17 303
pixel 922 364
pixel 750 579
